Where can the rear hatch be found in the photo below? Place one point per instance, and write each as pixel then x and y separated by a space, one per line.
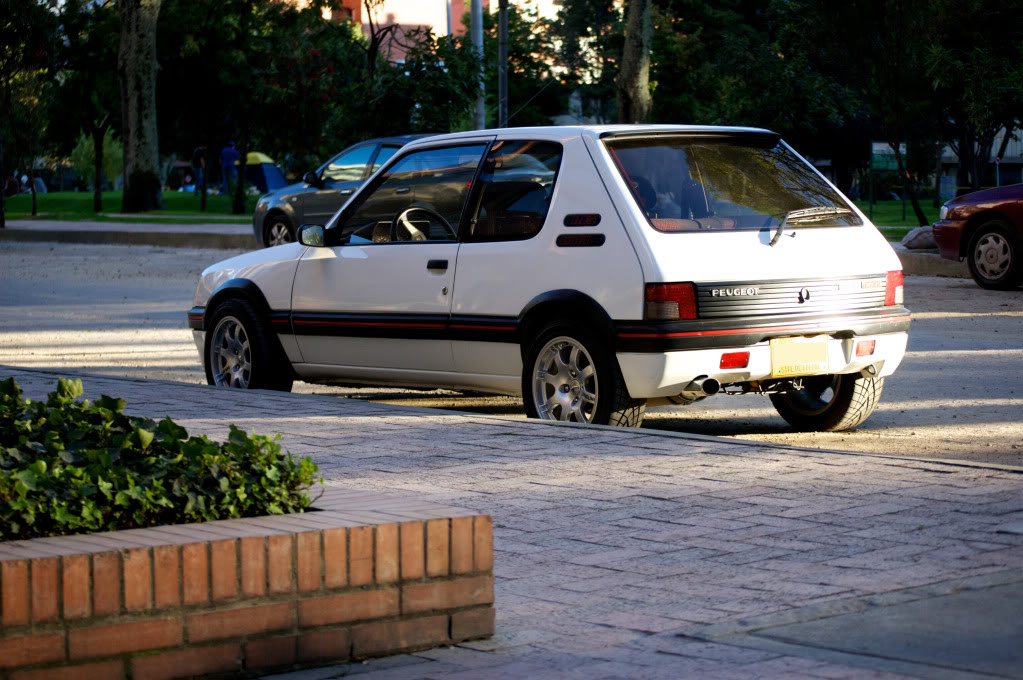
pixel 715 206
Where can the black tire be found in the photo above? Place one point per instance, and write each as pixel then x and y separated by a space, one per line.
pixel 995 256
pixel 240 353
pixel 830 403
pixel 592 377
pixel 278 230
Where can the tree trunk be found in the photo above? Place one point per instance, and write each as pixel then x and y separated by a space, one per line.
pixel 3 178
pixel 136 71
pixel 238 204
pixel 907 186
pixel 97 171
pixel 633 81
pixel 32 178
pixel 205 179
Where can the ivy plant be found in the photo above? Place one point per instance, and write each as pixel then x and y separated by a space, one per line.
pixel 70 466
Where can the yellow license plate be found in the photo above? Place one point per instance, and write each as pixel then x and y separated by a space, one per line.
pixel 799 356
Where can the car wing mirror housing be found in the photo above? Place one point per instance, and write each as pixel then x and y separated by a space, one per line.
pixel 312 235
pixel 311 178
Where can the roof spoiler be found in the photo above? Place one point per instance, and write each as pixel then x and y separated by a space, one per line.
pixel 764 138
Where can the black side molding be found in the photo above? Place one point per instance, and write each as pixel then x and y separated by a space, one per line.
pixel 580 240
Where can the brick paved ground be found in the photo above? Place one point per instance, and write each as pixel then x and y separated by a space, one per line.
pixel 620 553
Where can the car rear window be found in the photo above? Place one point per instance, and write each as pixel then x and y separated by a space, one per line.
pixel 696 183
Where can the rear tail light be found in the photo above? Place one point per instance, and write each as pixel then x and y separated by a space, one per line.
pixel 893 291
pixel 670 301
pixel 864 348
pixel 735 360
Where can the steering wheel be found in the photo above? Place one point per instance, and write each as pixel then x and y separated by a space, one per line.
pixel 415 233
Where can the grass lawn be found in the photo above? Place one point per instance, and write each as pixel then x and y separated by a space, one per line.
pixel 179 208
pixel 889 213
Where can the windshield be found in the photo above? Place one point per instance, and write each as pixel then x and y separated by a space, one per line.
pixel 690 183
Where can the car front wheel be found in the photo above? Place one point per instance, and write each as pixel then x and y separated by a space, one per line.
pixel 829 403
pixel 240 354
pixel 278 231
pixel 569 375
pixel 995 256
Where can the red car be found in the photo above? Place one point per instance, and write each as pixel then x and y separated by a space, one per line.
pixel 986 228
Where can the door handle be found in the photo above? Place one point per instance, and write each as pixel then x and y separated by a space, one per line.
pixel 437 265
pixel 345 192
pixel 402 190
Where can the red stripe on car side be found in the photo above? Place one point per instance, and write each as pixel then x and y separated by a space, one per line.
pixel 370 324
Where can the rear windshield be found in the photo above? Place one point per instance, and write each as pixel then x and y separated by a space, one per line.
pixel 730 183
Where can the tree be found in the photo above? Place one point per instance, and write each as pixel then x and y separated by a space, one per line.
pixel 888 59
pixel 588 36
pixel 87 91
pixel 633 82
pixel 535 92
pixel 28 36
pixel 136 71
pixel 976 62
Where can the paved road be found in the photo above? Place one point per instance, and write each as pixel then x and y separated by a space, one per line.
pixel 658 556
pixel 119 310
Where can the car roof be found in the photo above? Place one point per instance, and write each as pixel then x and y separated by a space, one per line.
pixel 554 132
pixel 399 139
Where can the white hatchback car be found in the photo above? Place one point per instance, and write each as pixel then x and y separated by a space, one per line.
pixel 593 270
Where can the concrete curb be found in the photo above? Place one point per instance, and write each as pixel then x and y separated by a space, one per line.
pixel 133 238
pixel 930 263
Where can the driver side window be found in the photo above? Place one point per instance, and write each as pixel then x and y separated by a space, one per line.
pixel 419 198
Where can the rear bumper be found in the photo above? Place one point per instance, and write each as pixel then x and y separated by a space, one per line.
pixel 665 374
pixel 948 234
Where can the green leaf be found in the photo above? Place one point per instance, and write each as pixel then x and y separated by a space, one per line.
pixel 69 388
pixel 27 477
pixel 145 437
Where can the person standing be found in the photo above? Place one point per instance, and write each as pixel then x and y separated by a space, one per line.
pixel 229 174
pixel 199 168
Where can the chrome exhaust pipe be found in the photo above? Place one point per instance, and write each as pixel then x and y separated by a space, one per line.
pixel 700 388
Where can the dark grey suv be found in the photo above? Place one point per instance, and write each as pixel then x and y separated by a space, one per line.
pixel 318 196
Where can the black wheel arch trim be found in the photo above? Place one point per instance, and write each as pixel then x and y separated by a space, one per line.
pixel 582 306
pixel 245 289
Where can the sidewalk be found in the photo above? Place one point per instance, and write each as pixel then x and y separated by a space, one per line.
pixel 210 235
pixel 239 236
pixel 641 554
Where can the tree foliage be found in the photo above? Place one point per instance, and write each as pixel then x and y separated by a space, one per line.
pixel 28 38
pixel 278 78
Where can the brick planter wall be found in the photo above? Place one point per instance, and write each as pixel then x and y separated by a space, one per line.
pixel 368 575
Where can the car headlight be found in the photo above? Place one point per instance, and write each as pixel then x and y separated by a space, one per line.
pixel 943 213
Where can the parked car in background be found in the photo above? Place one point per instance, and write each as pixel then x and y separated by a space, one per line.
pixel 593 270
pixel 986 228
pixel 321 192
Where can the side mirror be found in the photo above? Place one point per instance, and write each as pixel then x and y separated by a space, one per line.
pixel 312 235
pixel 311 178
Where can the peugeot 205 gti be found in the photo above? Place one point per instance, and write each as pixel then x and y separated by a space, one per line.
pixel 591 270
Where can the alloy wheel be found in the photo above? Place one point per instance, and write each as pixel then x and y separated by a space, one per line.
pixel 230 354
pixel 278 234
pixel 565 382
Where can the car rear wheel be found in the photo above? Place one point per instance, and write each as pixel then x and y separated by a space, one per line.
pixel 830 403
pixel 995 256
pixel 278 231
pixel 239 352
pixel 570 376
